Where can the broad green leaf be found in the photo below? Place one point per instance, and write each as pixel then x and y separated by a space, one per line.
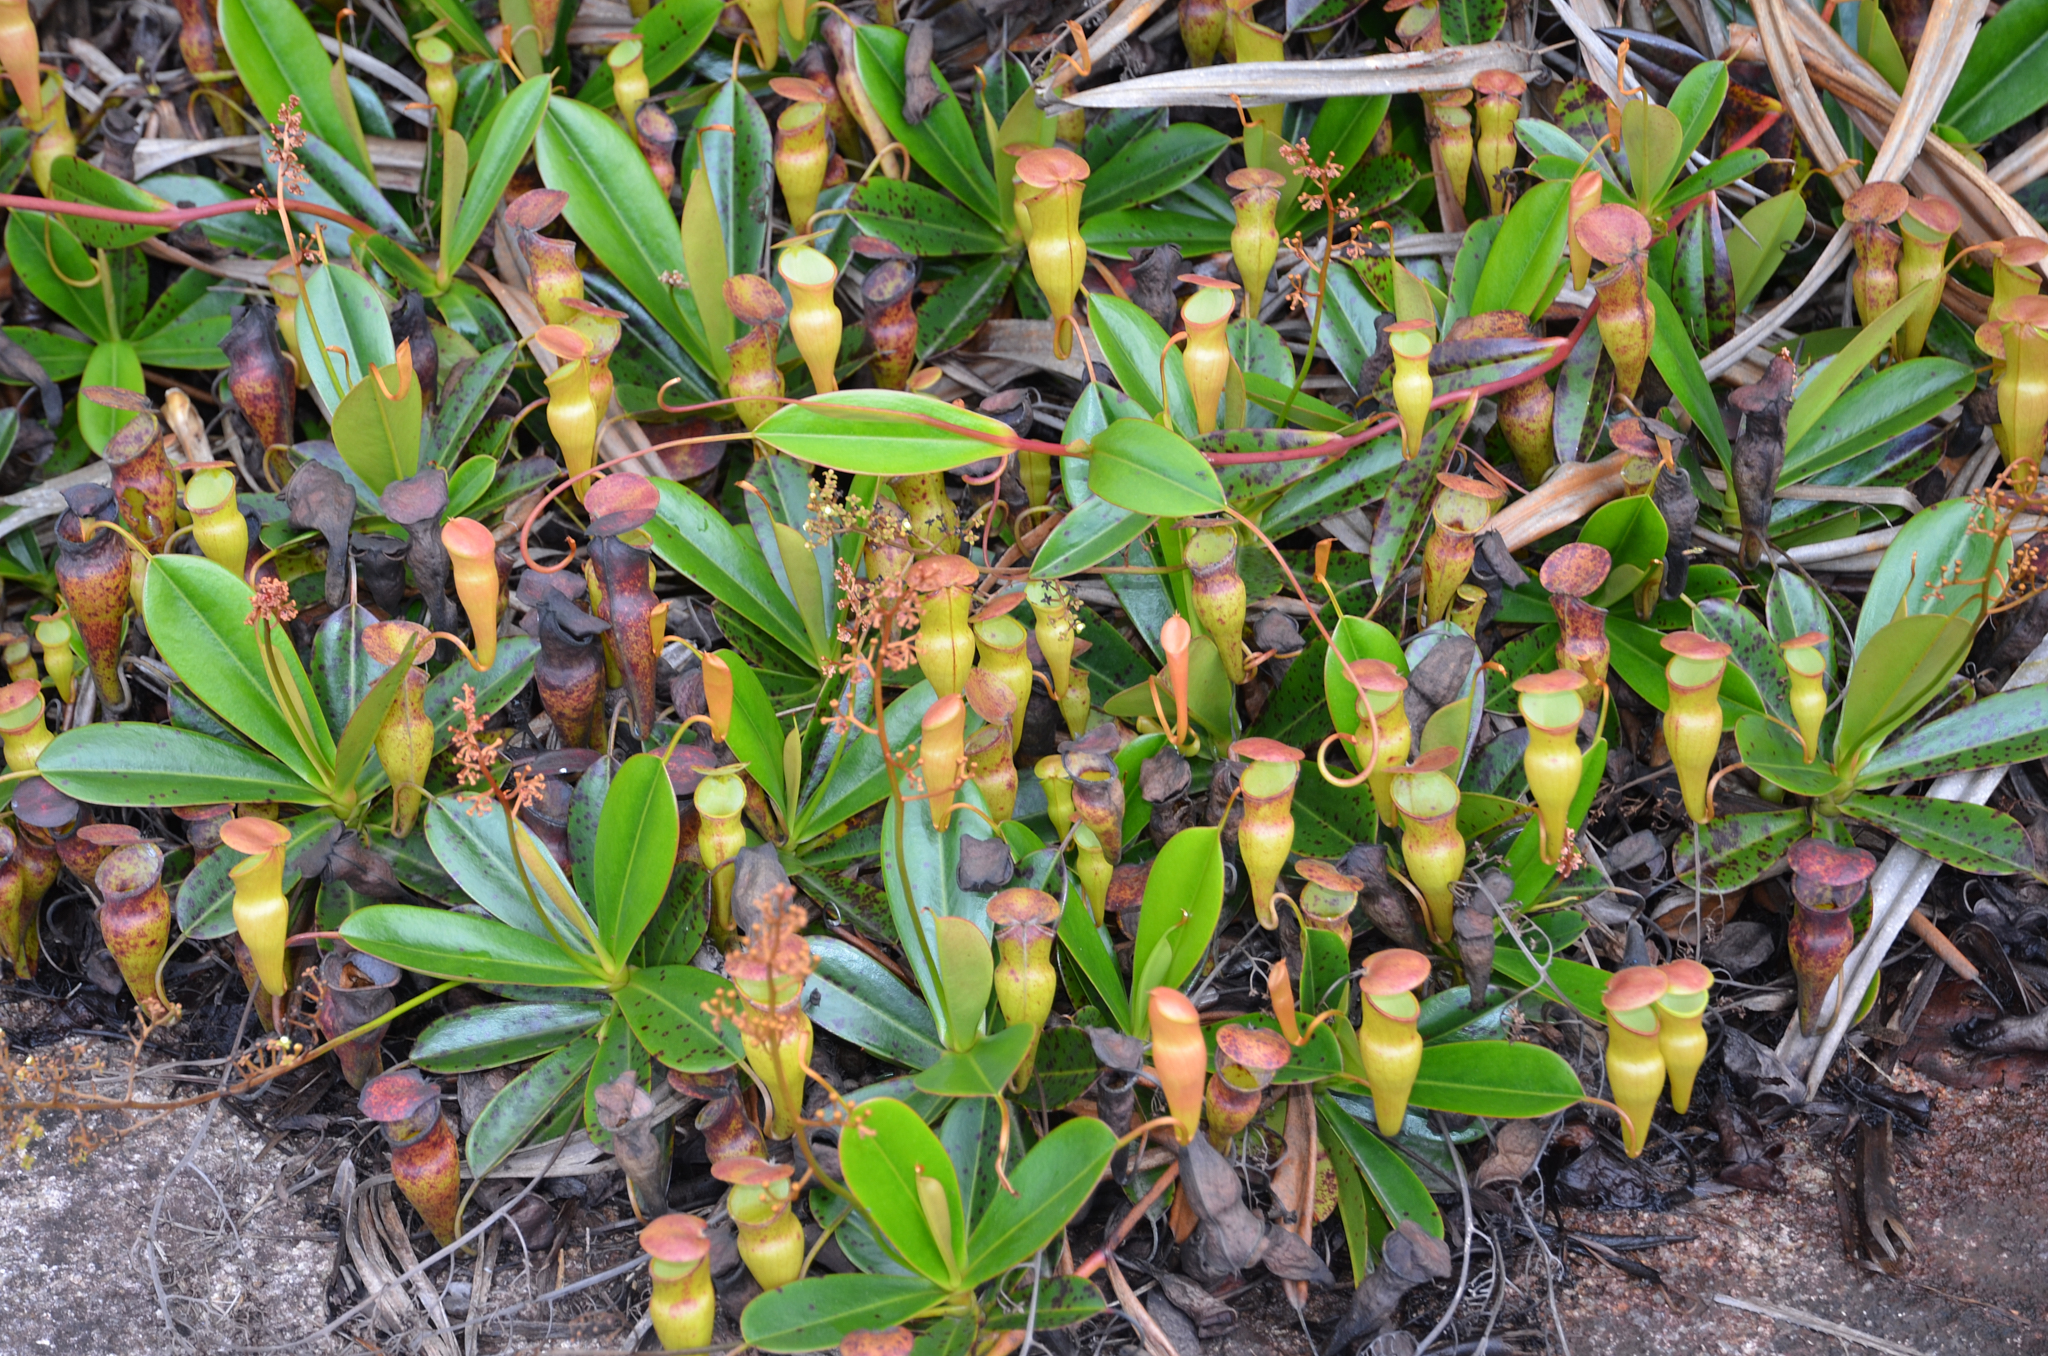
pixel 1768 232
pixel 2006 727
pixel 524 1105
pixel 501 1033
pixel 507 676
pixel 1775 754
pixel 922 220
pixel 1062 1302
pixel 1755 652
pixel 1901 668
pixel 1973 838
pixel 1739 848
pixel 1651 136
pixel 344 314
pixel 115 364
pixel 1400 1193
pixel 855 776
pixel 1152 166
pixel 1084 943
pixel 75 180
pixel 1183 899
pixel 1517 273
pixel 1947 541
pixel 1879 408
pixel 1350 330
pixel 1050 1185
pixel 1469 22
pixel 755 735
pixel 951 315
pixel 462 946
pixel 466 398
pixel 637 835
pixel 884 1154
pixel 1404 515
pixel 813 1314
pixel 1630 530
pixel 941 145
pixel 1356 638
pixel 1998 86
pixel 1132 343
pixel 1672 353
pixel 670 34
pixel 1494 1078
pixel 476 851
pixel 276 55
pixel 1137 465
pixel 377 426
pixel 620 213
pixel 359 732
pixel 498 151
pixel 1086 537
pixel 852 996
pixel 983 1069
pixel 877 432
pixel 161 766
pixel 1697 102
pixel 1571 982
pixel 695 540
pixel 664 1004
pixel 732 144
pixel 1823 388
pixel 198 615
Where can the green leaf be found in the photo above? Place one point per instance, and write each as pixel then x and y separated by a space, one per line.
pixel 1084 943
pixel 1630 529
pixel 855 776
pixel 1086 537
pixel 198 615
pixel 815 1313
pixel 1950 540
pixel 1697 102
pixel 1974 838
pixel 1131 343
pixel 377 435
pixel 637 835
pixel 525 1104
pixel 75 180
pixel 1183 899
pixel 1494 1078
pixel 276 55
pixel 462 946
pixel 1137 465
pixel 1902 667
pixel 854 997
pixel 1570 982
pixel 1468 22
pixel 883 1154
pixel 1651 137
pixel 755 735
pixel 1756 654
pixel 983 1069
pixel 1356 638
pixel 45 254
pixel 664 1004
pixel 1671 351
pixel 1768 232
pixel 466 398
pixel 1062 1302
pixel 359 733
pixel 507 676
pixel 952 314
pixel 501 1033
pixel 476 851
pixel 1350 324
pixel 941 144
pixel 1740 848
pixel 1820 390
pixel 1151 166
pixel 2007 727
pixel 346 313
pixel 115 364
pixel 1052 1183
pixel 1518 269
pixel 1400 1193
pixel 499 149
pixel 731 142
pixel 1775 754
pixel 1404 515
pixel 882 433
pixel 1997 87
pixel 1118 233
pixel 692 538
pixel 670 34
pixel 161 766
pixel 1880 408
pixel 620 213
pixel 922 220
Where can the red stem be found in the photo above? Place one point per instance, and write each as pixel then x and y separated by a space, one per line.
pixel 1387 425
pixel 174 217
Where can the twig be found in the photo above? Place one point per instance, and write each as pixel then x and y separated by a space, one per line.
pixel 1800 1318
